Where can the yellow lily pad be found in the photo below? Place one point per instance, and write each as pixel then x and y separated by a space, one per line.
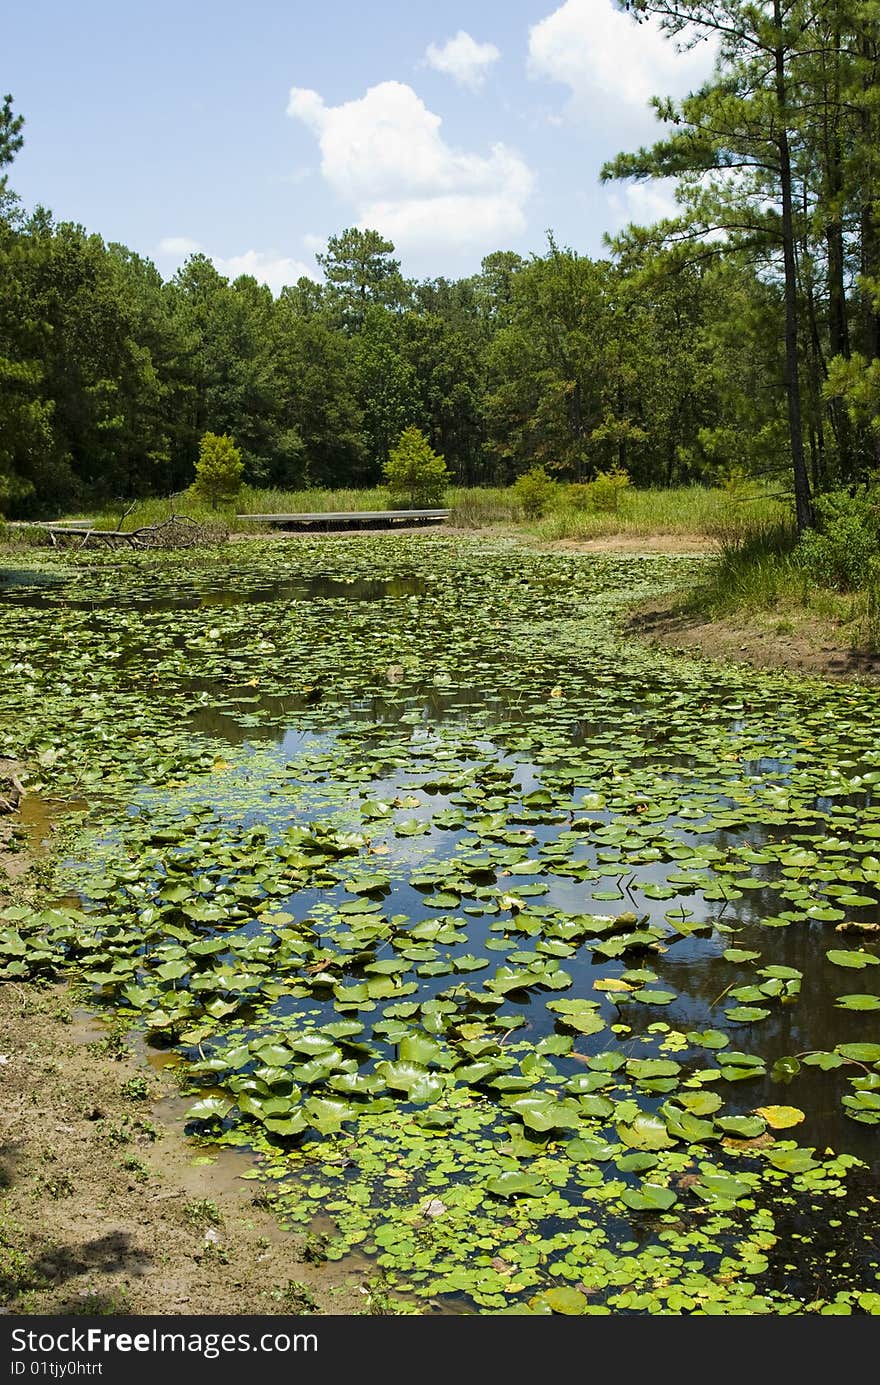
pixel 780 1117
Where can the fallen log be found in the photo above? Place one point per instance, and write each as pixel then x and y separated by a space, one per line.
pixel 178 531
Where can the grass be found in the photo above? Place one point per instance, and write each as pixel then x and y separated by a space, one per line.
pixel 759 572
pixel 694 511
pixel 251 500
pixel 687 510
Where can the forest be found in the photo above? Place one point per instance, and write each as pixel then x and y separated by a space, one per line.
pixel 740 336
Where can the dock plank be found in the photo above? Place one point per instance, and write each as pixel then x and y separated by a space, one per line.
pixel 351 518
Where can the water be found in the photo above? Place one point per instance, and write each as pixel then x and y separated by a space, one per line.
pixel 456 698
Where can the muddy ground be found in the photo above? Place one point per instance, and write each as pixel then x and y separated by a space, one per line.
pixel 764 641
pixel 105 1205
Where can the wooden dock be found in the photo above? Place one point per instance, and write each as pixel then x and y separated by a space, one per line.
pixel 352 519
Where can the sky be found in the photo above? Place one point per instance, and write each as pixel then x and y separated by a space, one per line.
pixel 254 132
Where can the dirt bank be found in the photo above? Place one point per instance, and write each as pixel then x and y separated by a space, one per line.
pixel 105 1206
pixel 765 641
pixel 635 545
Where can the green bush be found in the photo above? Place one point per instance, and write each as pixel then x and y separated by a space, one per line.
pixel 578 496
pixel 607 488
pixel 533 492
pixel 843 551
pixel 219 469
pixel 414 471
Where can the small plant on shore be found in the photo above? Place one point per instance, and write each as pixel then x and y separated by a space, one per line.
pixel 534 491
pixel 414 471
pixel 202 1212
pixel 219 469
pixel 843 551
pixel 136 1089
pixel 296 1297
pixel 578 496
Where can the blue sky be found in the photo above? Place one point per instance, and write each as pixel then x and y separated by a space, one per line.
pixel 255 132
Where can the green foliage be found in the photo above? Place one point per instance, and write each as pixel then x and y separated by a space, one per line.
pixel 856 381
pixel 219 469
pixel 682 358
pixel 11 138
pixel 534 491
pixel 578 496
pixel 386 386
pixel 607 489
pixel 844 550
pixel 360 271
pixel 414 471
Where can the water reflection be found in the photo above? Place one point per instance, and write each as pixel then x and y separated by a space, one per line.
pixel 44 590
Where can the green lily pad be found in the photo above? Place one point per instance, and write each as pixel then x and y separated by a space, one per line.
pixel 856 960
pixel 649 1197
pixel 511 1185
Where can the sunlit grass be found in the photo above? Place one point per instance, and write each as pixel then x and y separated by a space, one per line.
pixel 696 511
pixel 699 511
pixel 759 573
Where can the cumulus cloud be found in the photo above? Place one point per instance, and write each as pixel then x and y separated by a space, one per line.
pixel 266 267
pixel 384 155
pixel 644 203
pixel 178 246
pixel 463 59
pixel 603 57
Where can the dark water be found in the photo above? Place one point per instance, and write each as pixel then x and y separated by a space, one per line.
pixel 28 587
pixel 80 591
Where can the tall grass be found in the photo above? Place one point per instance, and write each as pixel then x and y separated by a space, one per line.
pixel 250 500
pixel 756 567
pixel 698 511
pixel 687 510
pixel 759 573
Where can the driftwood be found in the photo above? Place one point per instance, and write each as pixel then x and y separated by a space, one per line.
pixel 178 531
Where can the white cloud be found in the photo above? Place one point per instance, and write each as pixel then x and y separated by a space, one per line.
pixel 644 203
pixel 266 267
pixel 463 59
pixel 604 57
pixel 178 247
pixel 385 156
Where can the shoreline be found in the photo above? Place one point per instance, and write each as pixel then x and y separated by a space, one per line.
pixel 767 642
pixel 106 1205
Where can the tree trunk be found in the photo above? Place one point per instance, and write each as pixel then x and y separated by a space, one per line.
pixel 803 501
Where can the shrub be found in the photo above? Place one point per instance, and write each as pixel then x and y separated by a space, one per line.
pixel 842 551
pixel 415 471
pixel 219 469
pixel 533 492
pixel 578 496
pixel 607 488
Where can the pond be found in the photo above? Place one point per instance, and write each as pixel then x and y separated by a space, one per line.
pixel 538 967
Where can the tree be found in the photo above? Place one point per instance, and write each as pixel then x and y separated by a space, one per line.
pixel 387 386
pixel 321 441
pixel 219 469
pixel 740 127
pixel 415 470
pixel 446 351
pixel 226 379
pixel 360 271
pixel 11 138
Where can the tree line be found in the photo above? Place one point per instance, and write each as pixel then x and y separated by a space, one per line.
pixel 740 336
